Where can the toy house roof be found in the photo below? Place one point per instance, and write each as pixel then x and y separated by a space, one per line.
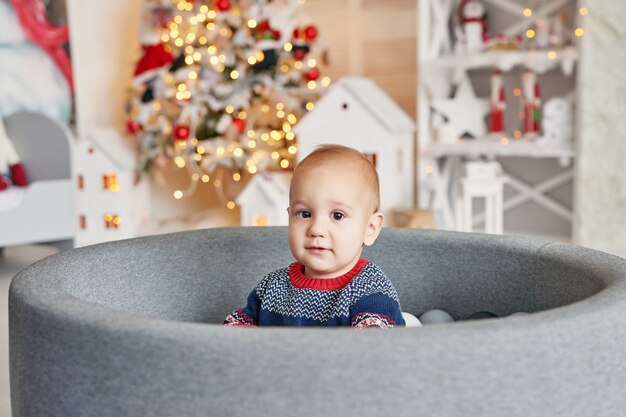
pixel 275 185
pixel 375 101
pixel 115 148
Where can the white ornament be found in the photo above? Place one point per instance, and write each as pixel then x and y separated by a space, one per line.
pixel 474 26
pixel 465 112
pixel 225 121
pixel 557 121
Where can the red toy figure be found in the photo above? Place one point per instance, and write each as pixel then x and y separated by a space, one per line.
pixel 532 102
pixel 498 103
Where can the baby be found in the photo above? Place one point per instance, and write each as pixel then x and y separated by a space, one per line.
pixel 333 213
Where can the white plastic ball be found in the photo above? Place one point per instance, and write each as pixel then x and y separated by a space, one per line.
pixel 410 320
pixel 435 316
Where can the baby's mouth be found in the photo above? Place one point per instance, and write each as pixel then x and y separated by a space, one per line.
pixel 316 248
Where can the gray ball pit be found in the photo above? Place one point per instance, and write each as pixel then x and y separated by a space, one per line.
pixel 133 328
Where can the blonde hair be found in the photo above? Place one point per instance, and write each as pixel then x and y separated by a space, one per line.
pixel 331 152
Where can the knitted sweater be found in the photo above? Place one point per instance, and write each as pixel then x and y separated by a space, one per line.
pixel 362 297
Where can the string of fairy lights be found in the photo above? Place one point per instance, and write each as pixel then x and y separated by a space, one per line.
pixel 221 86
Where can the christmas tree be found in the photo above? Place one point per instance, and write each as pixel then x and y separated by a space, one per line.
pixel 221 83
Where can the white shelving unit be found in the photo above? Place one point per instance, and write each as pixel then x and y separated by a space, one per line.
pixel 446 69
pixel 539 61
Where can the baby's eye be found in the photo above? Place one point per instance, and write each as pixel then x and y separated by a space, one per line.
pixel 304 214
pixel 338 216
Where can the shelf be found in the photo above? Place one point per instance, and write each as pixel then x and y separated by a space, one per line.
pixel 494 148
pixel 539 61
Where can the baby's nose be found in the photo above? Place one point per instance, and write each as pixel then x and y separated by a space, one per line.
pixel 316 228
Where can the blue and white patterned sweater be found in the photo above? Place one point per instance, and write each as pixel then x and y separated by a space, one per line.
pixel 363 297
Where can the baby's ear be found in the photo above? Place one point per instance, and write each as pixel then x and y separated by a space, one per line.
pixel 373 228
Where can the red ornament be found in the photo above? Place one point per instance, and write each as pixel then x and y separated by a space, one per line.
pixel 133 126
pixel 310 32
pixel 240 124
pixel 312 75
pixel 299 54
pixel 298 33
pixel 181 132
pixel 263 26
pixel 223 5
pixel 276 34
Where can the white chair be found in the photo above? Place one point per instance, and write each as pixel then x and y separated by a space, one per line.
pixel 482 180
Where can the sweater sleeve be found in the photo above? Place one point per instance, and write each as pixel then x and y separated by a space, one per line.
pixel 376 310
pixel 249 315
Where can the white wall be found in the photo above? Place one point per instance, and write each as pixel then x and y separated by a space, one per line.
pixel 600 193
pixel 104 47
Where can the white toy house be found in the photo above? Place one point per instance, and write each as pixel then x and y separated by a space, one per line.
pixel 111 203
pixel 265 199
pixel 357 113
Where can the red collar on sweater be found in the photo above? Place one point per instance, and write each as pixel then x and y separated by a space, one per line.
pixel 297 278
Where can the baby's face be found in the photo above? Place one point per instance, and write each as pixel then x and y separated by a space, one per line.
pixel 330 218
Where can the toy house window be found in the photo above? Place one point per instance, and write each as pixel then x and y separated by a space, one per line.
pixel 400 159
pixel 111 221
pixel 80 181
pixel 372 157
pixel 109 182
pixel 261 220
pixel 82 222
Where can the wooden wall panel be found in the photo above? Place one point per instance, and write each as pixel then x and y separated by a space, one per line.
pixel 375 39
pixel 332 18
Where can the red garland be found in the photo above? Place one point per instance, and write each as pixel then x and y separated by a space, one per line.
pixel 33 19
